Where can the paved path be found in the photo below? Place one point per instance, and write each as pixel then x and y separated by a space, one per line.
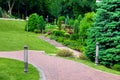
pixel 59 46
pixel 60 69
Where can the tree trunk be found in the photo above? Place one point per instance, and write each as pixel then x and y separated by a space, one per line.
pixel 10 5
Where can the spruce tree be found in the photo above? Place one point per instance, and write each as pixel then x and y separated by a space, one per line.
pixel 106 31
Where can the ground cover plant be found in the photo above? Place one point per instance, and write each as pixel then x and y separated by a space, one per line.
pixel 14 37
pixel 14 70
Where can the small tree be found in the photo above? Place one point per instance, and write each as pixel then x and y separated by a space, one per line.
pixel 106 31
pixel 32 22
pixel 59 22
pixel 41 24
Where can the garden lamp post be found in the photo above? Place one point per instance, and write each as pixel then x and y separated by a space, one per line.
pixel 97 52
pixel 25 59
pixel 26 52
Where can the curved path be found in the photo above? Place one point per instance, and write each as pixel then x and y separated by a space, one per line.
pixel 59 45
pixel 60 69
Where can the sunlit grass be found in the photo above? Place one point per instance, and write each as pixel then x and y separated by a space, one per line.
pixel 14 70
pixel 13 37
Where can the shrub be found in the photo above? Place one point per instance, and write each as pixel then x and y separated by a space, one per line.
pixel 85 24
pixel 74 44
pixel 32 23
pixel 76 27
pixel 65 53
pixel 106 31
pixel 116 67
pixel 36 31
pixel 59 22
pixel 71 22
pixel 60 39
pixel 58 32
pixel 74 36
pixel 79 18
pixel 67 35
pixel 67 20
pixel 41 24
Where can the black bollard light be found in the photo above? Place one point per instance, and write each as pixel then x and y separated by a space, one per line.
pixel 97 53
pixel 25 59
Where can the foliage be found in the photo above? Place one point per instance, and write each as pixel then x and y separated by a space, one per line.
pixel 74 36
pixel 116 67
pixel 41 24
pixel 67 20
pixel 71 22
pixel 36 31
pixel 0 12
pixel 74 44
pixel 73 8
pixel 55 8
pixel 58 32
pixel 32 23
pixel 15 70
pixel 52 8
pixel 106 31
pixel 79 18
pixel 76 27
pixel 85 24
pixel 65 53
pixel 67 35
pixel 49 28
pixel 61 20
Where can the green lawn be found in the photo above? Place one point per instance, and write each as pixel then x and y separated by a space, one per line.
pixel 14 70
pixel 13 37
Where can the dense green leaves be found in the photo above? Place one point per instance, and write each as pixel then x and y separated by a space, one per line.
pixel 0 12
pixel 32 23
pixel 41 24
pixel 51 8
pixel 106 31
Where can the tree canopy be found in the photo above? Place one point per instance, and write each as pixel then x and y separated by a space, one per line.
pixel 53 8
pixel 106 31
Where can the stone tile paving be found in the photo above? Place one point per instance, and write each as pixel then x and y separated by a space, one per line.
pixel 60 69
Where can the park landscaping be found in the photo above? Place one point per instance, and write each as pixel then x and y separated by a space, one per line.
pixel 13 37
pixel 79 31
pixel 11 69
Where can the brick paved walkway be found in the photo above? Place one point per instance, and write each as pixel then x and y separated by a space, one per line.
pixel 61 69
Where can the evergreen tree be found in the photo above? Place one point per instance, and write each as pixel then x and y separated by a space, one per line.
pixel 41 24
pixel 106 31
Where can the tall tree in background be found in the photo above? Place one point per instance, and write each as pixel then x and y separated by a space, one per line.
pixel 106 31
pixel 10 5
pixel 55 8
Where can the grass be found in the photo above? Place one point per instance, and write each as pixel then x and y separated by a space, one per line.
pixel 11 69
pixel 13 37
pixel 98 67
